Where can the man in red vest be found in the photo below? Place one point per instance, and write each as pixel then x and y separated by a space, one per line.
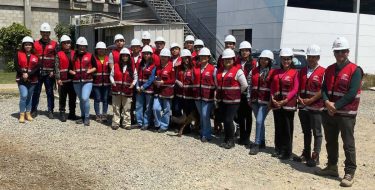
pixel 114 56
pixel 46 50
pixel 341 91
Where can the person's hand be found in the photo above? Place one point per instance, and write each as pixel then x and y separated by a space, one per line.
pixel 72 72
pixel 283 102
pixel 131 86
pixel 275 103
pixel 301 101
pixel 179 83
pixel 330 107
pixel 59 82
pixel 25 76
pixel 307 101
pixel 114 84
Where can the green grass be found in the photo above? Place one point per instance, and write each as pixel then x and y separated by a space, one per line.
pixel 7 77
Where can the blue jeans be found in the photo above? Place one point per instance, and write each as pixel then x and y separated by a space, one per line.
pixel 101 95
pixel 260 114
pixel 162 112
pixel 204 109
pixel 48 85
pixel 143 108
pixel 26 94
pixel 83 91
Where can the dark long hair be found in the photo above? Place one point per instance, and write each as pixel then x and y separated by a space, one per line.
pixel 129 65
pixel 292 66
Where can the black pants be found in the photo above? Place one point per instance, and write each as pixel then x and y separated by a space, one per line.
pixel 333 125
pixel 227 113
pixel 311 121
pixel 177 106
pixel 284 127
pixel 67 90
pixel 244 119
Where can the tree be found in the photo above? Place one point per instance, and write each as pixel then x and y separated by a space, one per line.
pixel 67 29
pixel 11 38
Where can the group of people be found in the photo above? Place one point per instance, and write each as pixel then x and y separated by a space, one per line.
pixel 150 85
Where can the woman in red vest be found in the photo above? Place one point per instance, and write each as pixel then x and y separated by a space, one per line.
pixel 123 77
pixel 82 69
pixel 284 88
pixel 204 90
pixel 311 106
pixel 101 82
pixel 260 97
pixel 64 79
pixel 177 101
pixel 27 67
pixel 164 90
pixel 231 82
pixel 145 90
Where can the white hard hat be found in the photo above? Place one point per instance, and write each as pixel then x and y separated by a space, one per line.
pixel 100 45
pixel 135 42
pixel 313 50
pixel 160 39
pixel 340 43
pixel 189 38
pixel 27 39
pixel 147 48
pixel 185 53
pixel 173 45
pixel 65 38
pixel 230 38
pixel 286 52
pixel 118 37
pixel 165 52
pixel 205 51
pixel 146 35
pixel 82 41
pixel 267 54
pixel 198 42
pixel 125 51
pixel 45 27
pixel 245 45
pixel 228 53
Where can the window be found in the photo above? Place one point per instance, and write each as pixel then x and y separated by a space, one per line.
pixel 243 34
pixel 331 5
pixel 367 7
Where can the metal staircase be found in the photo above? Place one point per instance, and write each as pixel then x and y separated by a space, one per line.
pixel 167 14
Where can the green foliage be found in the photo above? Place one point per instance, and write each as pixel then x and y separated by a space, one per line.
pixel 66 29
pixel 11 38
pixel 9 67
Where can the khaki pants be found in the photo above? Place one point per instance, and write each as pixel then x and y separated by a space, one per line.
pixel 121 108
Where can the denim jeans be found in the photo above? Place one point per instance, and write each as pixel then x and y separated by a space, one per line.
pixel 83 91
pixel 48 85
pixel 26 93
pixel 101 95
pixel 143 108
pixel 204 109
pixel 162 112
pixel 260 114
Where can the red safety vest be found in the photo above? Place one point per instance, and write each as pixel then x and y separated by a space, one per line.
pixel 116 56
pixel 249 65
pixel 46 55
pixel 260 86
pixel 102 72
pixel 136 64
pixel 64 62
pixel 220 62
pixel 167 74
pixel 123 80
pixel 204 82
pixel 176 61
pixel 308 87
pixel 338 86
pixel 282 86
pixel 27 66
pixel 187 79
pixel 81 66
pixel 144 73
pixel 229 89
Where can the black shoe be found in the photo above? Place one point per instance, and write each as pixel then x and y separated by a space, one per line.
pixel 284 156
pixel 115 126
pixel 87 122
pixel 160 130
pixel 72 116
pixel 62 117
pixel 245 142
pixel 314 161
pixel 230 144
pixel 262 145
pixel 276 153
pixel 224 143
pixel 34 114
pixel 303 158
pixel 79 121
pixel 50 114
pixel 254 150
pixel 143 128
pixel 135 126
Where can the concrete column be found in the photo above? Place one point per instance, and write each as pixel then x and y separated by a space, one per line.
pixel 27 15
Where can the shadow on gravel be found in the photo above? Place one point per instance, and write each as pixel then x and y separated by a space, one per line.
pixel 24 169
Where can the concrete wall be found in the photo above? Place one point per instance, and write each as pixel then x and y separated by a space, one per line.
pixel 264 17
pixel 306 26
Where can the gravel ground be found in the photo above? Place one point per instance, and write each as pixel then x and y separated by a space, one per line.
pixel 48 154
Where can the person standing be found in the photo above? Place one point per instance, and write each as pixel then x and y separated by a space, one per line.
pixel 284 88
pixel 82 69
pixel 27 67
pixel 341 95
pixel 101 83
pixel 259 92
pixel 231 82
pixel 45 49
pixel 136 57
pixel 114 55
pixel 62 62
pixel 189 43
pixel 123 77
pixel 310 106
pixel 164 90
